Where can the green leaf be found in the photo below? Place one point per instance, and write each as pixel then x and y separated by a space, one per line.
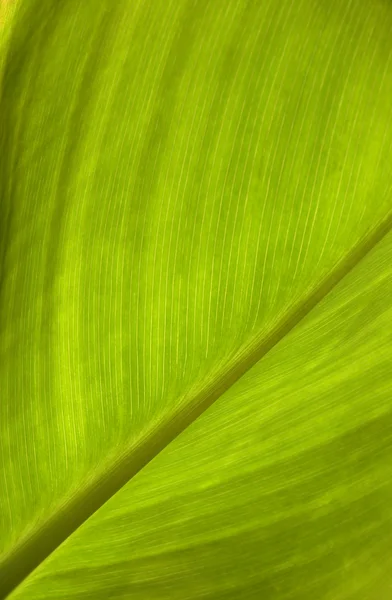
pixel 195 300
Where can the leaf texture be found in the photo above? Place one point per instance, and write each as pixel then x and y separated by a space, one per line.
pixel 182 184
pixel 280 490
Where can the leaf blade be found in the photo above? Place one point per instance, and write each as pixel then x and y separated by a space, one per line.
pixel 281 488
pixel 71 294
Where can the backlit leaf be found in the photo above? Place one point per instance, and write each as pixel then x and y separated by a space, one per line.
pixel 195 300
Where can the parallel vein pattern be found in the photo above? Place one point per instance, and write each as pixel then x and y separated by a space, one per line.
pixel 178 179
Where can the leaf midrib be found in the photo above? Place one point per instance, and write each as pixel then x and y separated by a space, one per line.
pixel 32 551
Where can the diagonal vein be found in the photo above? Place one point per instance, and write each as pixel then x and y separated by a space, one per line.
pixel 31 552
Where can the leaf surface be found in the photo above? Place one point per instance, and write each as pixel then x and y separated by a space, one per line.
pixel 182 184
pixel 281 489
